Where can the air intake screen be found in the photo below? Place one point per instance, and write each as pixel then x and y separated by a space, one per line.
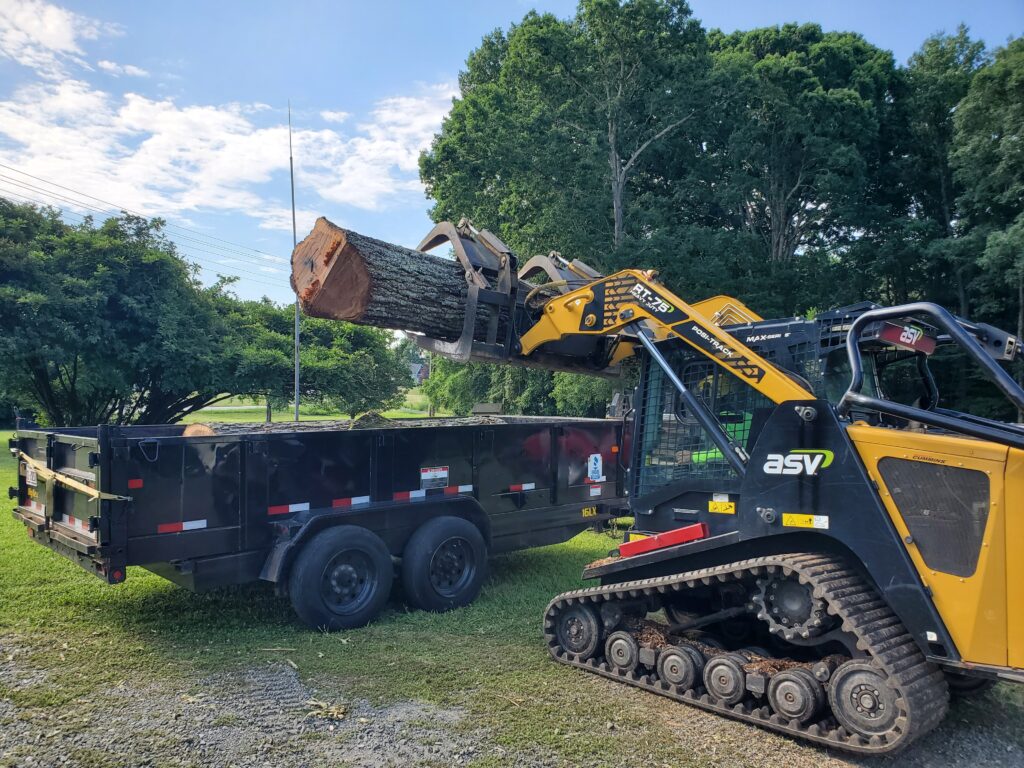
pixel 945 509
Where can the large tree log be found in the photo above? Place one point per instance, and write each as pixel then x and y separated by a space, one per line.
pixel 342 275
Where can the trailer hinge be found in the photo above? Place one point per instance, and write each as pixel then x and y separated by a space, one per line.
pixel 94 459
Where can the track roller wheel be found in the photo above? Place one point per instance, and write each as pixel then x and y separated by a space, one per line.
pixel 725 679
pixel 963 686
pixel 622 651
pixel 795 694
pixel 681 666
pixel 579 631
pixel 863 701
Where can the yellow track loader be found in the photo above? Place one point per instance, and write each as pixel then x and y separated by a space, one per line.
pixel 809 554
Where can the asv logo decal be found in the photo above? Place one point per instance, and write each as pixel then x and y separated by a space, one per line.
pixel 798 462
pixel 910 335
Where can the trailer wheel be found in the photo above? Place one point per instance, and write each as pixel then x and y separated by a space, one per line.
pixel 444 564
pixel 342 578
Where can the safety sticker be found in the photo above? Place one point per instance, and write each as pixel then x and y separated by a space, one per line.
pixel 805 521
pixel 433 477
pixel 595 490
pixel 31 476
pixel 595 468
pixel 720 504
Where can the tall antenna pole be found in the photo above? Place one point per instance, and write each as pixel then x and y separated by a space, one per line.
pixel 295 242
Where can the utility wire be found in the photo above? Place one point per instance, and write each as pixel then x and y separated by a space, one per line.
pixel 202 261
pixel 56 196
pixel 169 224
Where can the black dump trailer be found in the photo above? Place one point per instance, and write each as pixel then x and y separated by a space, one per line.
pixel 328 514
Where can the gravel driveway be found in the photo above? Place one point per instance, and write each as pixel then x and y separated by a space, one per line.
pixel 267 716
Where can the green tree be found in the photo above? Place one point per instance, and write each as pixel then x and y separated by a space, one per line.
pixel 457 388
pixel 106 323
pixel 556 119
pixel 578 395
pixel 988 161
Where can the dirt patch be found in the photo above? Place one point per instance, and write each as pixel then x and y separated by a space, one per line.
pixel 262 716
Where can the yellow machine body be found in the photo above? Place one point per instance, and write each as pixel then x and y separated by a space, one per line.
pixel 982 609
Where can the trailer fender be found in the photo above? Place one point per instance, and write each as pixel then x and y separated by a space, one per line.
pixel 393 522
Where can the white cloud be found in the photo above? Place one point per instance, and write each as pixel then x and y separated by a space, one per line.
pixel 157 157
pixel 334 116
pixel 381 160
pixel 115 69
pixel 44 37
pixel 160 157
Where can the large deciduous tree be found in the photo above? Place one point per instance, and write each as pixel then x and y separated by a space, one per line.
pixel 106 323
pixel 555 120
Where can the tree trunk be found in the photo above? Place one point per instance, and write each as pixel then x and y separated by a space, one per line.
pixel 342 275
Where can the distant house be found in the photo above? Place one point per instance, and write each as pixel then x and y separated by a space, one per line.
pixel 420 372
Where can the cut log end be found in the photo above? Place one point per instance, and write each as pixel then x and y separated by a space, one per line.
pixel 343 275
pixel 326 251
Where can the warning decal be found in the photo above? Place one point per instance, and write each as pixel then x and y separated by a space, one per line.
pixel 433 477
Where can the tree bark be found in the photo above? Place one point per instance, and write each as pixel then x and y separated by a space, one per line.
pixel 343 275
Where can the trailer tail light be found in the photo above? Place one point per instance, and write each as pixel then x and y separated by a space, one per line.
pixel 668 539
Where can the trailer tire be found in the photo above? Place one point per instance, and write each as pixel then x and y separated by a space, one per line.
pixel 444 564
pixel 342 578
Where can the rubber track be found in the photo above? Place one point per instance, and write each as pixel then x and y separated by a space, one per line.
pixel 920 685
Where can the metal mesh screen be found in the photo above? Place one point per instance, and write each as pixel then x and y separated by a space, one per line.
pixel 945 509
pixel 802 358
pixel 673 447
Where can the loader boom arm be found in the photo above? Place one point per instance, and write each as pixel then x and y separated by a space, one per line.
pixel 610 305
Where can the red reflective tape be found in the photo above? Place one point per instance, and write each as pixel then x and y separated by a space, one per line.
pixel 451 490
pixel 280 509
pixel 668 539
pixel 134 483
pixel 341 503
pixel 401 495
pixel 170 528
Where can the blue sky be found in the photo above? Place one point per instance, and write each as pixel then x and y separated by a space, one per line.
pixel 178 109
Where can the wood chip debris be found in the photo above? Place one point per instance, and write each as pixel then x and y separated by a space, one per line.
pixel 323 710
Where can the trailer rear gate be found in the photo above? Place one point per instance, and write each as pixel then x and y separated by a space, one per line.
pixel 209 511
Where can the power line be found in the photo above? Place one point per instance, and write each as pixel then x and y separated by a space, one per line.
pixel 109 212
pixel 213 266
pixel 137 213
pixel 204 262
pixel 55 196
pixel 4 180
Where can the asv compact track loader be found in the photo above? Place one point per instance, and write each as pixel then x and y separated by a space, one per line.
pixel 809 555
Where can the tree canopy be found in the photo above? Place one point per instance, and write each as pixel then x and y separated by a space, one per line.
pixel 105 322
pixel 791 167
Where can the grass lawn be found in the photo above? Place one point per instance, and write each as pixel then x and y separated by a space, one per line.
pixel 243 410
pixel 489 659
